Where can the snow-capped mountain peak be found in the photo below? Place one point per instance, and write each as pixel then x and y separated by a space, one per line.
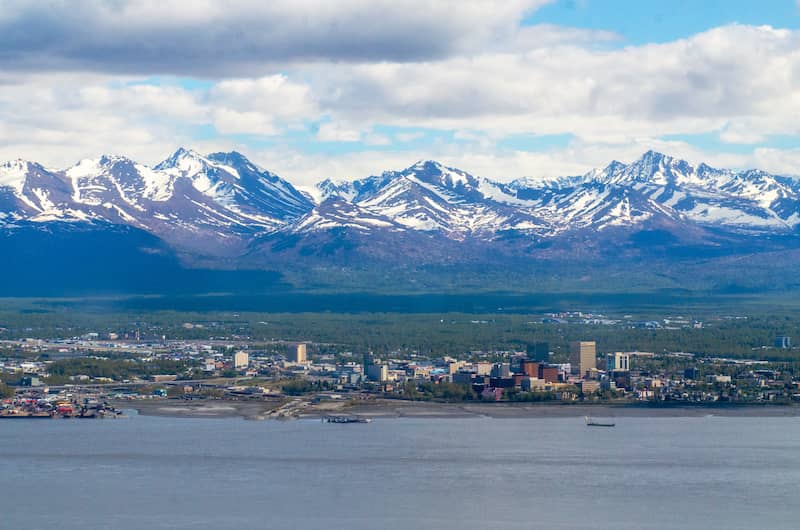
pixel 13 173
pixel 652 167
pixel 328 188
pixel 93 179
pixel 234 159
pixel 181 157
pixel 191 200
pixel 211 178
pixel 433 172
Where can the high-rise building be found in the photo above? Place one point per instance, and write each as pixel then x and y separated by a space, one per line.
pixel 584 355
pixel 367 361
pixel 240 360
pixel 618 362
pixel 539 351
pixel 297 353
pixel 378 372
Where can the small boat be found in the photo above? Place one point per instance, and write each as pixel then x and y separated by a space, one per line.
pixel 595 423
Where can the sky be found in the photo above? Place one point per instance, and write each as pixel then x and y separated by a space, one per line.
pixel 315 89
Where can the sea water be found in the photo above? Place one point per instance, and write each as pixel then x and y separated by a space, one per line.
pixel 159 473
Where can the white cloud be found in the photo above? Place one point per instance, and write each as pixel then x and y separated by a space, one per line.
pixel 275 95
pixel 377 139
pixel 735 76
pixel 244 37
pixel 779 161
pixel 409 136
pixel 335 132
pixel 59 118
pixel 739 82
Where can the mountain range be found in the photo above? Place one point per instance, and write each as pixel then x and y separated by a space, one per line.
pixel 658 215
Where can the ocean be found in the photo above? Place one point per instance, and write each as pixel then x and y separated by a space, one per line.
pixel 519 473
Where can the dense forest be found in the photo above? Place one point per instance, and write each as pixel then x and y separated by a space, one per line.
pixel 431 334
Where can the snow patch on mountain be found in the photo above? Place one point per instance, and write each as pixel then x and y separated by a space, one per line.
pixel 13 173
pixel 191 198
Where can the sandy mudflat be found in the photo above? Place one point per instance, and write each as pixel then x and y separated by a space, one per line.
pixel 393 408
pixel 380 408
pixel 200 409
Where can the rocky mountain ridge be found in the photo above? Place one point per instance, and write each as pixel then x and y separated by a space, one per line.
pixel 223 205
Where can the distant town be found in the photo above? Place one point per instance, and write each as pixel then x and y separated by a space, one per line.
pixel 94 375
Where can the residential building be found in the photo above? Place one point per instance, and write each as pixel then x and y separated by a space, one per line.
pixel 209 365
pixel 241 360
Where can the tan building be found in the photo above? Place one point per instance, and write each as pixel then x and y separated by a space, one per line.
pixel 454 366
pixel 618 362
pixel 297 353
pixel 584 355
pixel 482 368
pixel 241 360
pixel 590 387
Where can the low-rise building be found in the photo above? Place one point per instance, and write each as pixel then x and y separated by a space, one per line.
pixel 589 386
pixel 533 384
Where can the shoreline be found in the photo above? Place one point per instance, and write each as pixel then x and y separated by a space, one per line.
pixel 389 408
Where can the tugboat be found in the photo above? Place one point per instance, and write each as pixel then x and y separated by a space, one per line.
pixel 595 423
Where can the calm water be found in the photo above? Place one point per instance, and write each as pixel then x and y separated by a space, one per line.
pixel 155 473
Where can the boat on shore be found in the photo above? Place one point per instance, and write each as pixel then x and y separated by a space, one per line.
pixel 590 422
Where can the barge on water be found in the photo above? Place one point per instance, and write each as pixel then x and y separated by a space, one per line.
pixel 346 419
pixel 591 422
